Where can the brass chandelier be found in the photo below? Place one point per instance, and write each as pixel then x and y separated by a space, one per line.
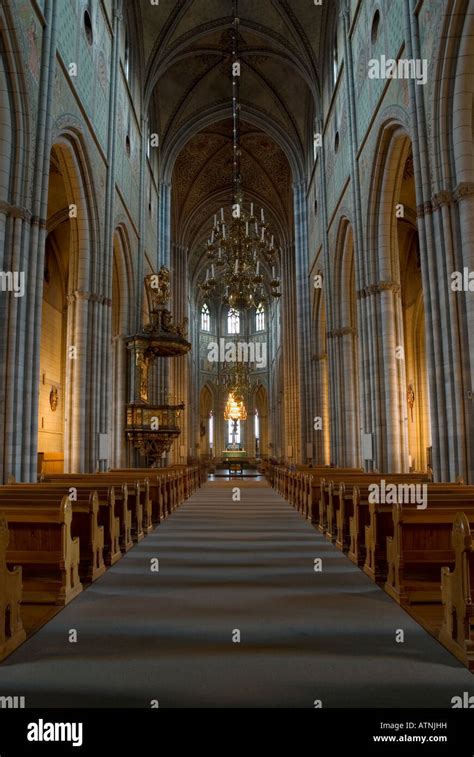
pixel 236 380
pixel 234 409
pixel 238 247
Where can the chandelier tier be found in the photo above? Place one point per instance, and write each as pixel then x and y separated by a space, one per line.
pixel 240 245
pixel 234 409
pixel 236 380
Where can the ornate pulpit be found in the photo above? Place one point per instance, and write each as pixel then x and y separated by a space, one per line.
pixel 152 427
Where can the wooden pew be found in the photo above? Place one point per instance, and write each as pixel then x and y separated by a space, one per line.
pixel 85 525
pixel 41 542
pixel 353 514
pixel 322 493
pixel 137 496
pixel 12 633
pixel 457 594
pixel 421 545
pixel 115 513
pixel 158 489
pixel 355 508
pixel 301 486
pixel 328 489
pixel 169 487
pixel 380 524
pixel 333 499
pixel 336 491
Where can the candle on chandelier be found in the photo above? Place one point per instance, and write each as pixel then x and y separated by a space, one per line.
pixel 212 236
pixel 246 228
pixel 236 269
pixel 251 208
pixel 273 272
pixel 262 215
pixel 263 234
pixel 222 214
pixel 220 254
pixel 273 239
pixel 212 270
pixel 207 274
pixel 223 231
pixel 215 219
pixel 258 267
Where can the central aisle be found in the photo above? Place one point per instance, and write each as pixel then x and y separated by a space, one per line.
pixel 226 565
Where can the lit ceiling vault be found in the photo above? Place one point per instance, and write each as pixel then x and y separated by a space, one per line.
pixel 186 48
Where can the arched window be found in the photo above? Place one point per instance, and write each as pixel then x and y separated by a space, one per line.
pixel 211 430
pixel 148 139
pixel 335 58
pixel 233 322
pixel 260 318
pixel 375 27
pixel 88 27
pixel 205 318
pixel 231 437
pixel 257 425
pixel 126 57
pixel 316 142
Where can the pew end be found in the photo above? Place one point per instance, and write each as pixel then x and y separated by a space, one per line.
pixel 457 593
pixel 12 633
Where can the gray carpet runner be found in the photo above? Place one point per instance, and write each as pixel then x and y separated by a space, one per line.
pixel 228 567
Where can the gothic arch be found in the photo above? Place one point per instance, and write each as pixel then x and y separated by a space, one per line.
pixel 388 299
pixel 207 117
pixel 84 304
pixel 343 351
pixel 207 403
pixel 261 405
pixel 15 142
pixel 452 108
pixel 86 273
pixel 122 326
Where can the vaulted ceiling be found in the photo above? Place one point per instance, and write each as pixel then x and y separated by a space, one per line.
pixel 187 55
pixel 202 183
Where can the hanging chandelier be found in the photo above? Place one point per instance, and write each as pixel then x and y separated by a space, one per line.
pixel 234 410
pixel 236 380
pixel 240 244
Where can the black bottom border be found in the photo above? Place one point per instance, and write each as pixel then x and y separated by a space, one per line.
pixel 147 732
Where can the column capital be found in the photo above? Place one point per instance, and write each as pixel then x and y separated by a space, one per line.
pixel 444 197
pixel 16 211
pixel 79 294
pixel 463 190
pixel 374 289
pixel 345 331
pixel 424 209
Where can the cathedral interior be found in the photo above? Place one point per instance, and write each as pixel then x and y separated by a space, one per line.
pixel 237 353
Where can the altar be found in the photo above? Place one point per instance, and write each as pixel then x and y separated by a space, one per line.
pixel 236 455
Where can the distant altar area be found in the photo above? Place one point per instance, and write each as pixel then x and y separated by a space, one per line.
pixel 235 454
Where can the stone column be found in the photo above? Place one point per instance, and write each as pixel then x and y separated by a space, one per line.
pixel 23 232
pixel 179 365
pixel 291 398
pixel 354 344
pixel 303 322
pixel 331 422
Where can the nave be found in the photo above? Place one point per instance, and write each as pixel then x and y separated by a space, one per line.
pixel 170 636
